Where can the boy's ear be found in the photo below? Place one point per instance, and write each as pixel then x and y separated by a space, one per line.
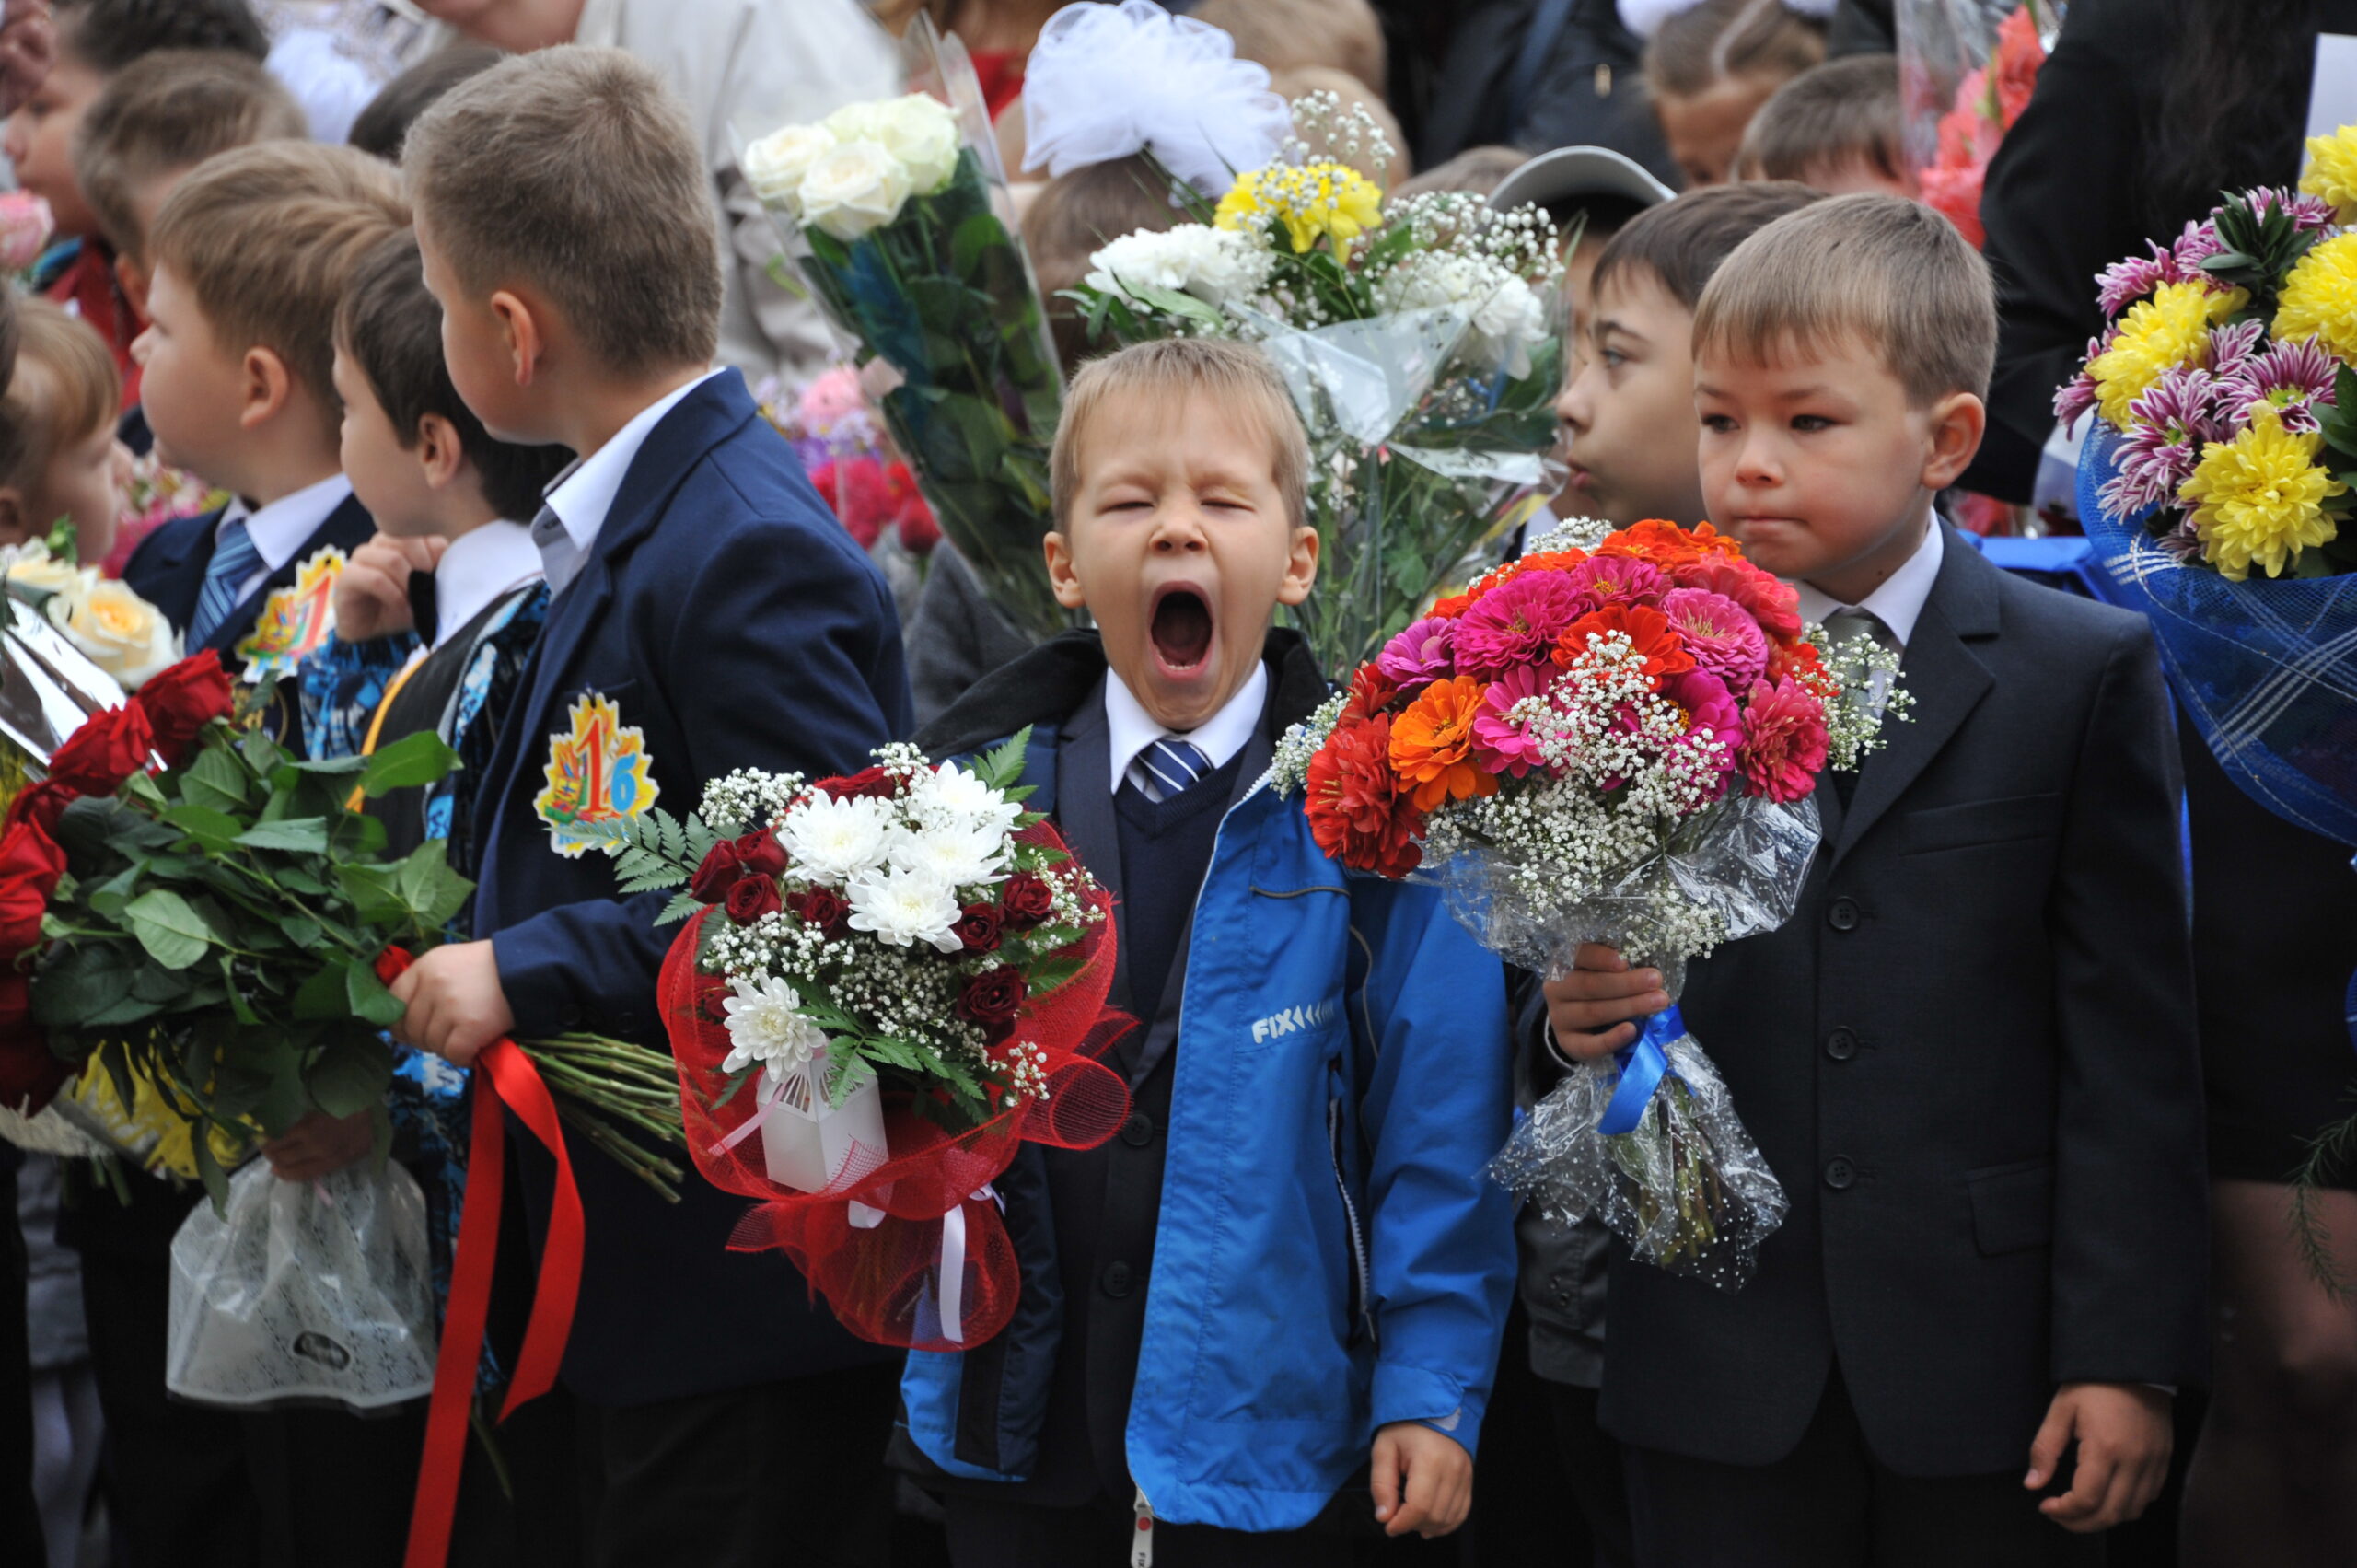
pixel 265 386
pixel 438 451
pixel 132 276
pixel 1301 567
pixel 1958 423
pixel 526 334
pixel 1061 578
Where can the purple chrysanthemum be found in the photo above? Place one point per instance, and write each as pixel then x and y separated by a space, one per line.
pixel 2196 245
pixel 2167 429
pixel 2294 377
pixel 2310 214
pixel 2123 283
pixel 1517 622
pixel 2077 395
pixel 1419 656
pixel 2232 345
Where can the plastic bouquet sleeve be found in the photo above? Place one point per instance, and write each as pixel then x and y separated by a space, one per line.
pixel 2266 667
pixel 896 218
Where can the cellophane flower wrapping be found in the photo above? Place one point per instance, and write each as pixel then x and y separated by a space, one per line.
pixel 1966 71
pixel 1614 738
pixel 896 218
pixel 1422 340
pixel 898 978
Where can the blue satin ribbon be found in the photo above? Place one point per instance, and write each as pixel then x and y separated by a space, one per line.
pixel 1642 1063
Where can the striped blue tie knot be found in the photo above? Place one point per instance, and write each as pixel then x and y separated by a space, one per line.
pixel 234 560
pixel 1168 767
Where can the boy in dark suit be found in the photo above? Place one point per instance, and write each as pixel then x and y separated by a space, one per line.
pixel 1289 1263
pixel 250 254
pixel 707 614
pixel 1970 1055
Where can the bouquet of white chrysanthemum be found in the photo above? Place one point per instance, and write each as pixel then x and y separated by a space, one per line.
pixel 895 978
pixel 1423 345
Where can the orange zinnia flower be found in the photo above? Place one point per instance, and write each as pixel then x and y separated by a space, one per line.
pixel 1667 544
pixel 1656 641
pixel 1431 744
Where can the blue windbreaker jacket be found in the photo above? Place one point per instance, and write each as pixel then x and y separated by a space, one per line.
pixel 1331 1254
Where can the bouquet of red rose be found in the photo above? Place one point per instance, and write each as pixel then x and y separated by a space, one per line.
pixel 1615 739
pixel 185 905
pixel 898 977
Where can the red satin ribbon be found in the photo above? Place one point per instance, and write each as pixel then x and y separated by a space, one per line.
pixel 504 1079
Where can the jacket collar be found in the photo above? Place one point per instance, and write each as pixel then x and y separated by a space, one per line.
pixel 1948 680
pixel 1047 684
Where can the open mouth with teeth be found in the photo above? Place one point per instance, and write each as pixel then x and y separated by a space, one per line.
pixel 1182 629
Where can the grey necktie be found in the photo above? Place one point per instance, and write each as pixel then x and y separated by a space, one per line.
pixel 1849 626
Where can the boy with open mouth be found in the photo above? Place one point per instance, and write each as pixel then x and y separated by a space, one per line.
pixel 1288 1267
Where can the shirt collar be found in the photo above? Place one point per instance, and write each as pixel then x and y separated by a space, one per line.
pixel 1130 729
pixel 1899 602
pixel 585 491
pixel 281 529
pixel 479 567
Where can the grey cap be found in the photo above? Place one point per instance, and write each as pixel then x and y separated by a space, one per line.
pixel 1568 173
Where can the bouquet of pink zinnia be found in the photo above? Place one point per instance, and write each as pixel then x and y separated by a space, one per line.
pixel 1614 738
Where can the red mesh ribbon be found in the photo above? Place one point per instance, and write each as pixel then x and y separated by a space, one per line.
pixel 883 1280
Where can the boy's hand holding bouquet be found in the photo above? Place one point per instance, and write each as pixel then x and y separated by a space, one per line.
pixel 1611 740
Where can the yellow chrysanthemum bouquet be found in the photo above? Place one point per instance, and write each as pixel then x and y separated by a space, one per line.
pixel 2225 382
pixel 1422 342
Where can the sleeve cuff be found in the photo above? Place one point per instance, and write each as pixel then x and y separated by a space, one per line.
pixel 1416 1393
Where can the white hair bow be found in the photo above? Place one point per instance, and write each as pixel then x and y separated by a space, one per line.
pixel 1645 18
pixel 1107 81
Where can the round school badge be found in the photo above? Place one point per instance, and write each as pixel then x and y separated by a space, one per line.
pixel 595 773
pixel 294 621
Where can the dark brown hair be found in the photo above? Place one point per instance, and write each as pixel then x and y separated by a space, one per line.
pixel 107 35
pixel 1841 113
pixel 382 128
pixel 171 110
pixel 390 329
pixel 1681 242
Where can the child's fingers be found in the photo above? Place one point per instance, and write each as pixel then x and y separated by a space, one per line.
pixel 1583 1045
pixel 1595 955
pixel 2081 1508
pixel 1384 1476
pixel 2045 1448
pixel 1416 1510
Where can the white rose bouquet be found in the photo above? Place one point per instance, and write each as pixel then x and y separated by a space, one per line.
pixel 1422 342
pixel 103 619
pixel 895 214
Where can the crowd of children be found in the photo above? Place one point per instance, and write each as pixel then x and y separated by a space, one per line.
pixel 459 380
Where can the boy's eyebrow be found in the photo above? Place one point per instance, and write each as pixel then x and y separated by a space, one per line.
pixel 1609 324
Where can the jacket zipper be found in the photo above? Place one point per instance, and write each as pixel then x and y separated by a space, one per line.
pixel 1359 1289
pixel 1142 1543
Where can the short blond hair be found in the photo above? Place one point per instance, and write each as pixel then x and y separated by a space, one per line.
pixel 1238 377
pixel 1880 269
pixel 168 111
pixel 265 240
pixel 575 171
pixel 1841 114
pixel 65 389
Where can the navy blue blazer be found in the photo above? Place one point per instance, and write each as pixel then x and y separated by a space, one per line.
pixel 732 623
pixel 167 571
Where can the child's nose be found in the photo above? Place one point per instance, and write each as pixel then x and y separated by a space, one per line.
pixel 141 347
pixel 1179 528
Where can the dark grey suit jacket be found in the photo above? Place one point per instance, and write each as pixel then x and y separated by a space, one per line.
pixel 1971 1058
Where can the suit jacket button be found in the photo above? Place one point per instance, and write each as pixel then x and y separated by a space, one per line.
pixel 1841 1045
pixel 1138 1131
pixel 1117 1279
pixel 1840 1174
pixel 1843 916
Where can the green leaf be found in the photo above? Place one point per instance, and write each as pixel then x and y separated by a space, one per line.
pixel 173 932
pixel 427 888
pixel 327 993
pixel 208 1170
pixel 373 898
pixel 421 758
pixel 215 781
pixel 681 906
pixel 350 1072
pixel 369 999
pixel 297 880
pixel 239 1006
pixel 301 930
pixel 1002 767
pixel 215 830
pixel 331 767
pixel 295 835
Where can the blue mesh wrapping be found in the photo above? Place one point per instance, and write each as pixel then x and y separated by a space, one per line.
pixel 2267 668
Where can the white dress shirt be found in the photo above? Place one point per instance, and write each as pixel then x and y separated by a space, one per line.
pixel 1130 729
pixel 281 529
pixel 479 567
pixel 585 491
pixel 1899 602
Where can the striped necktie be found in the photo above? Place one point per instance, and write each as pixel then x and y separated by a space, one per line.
pixel 234 560
pixel 1167 767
